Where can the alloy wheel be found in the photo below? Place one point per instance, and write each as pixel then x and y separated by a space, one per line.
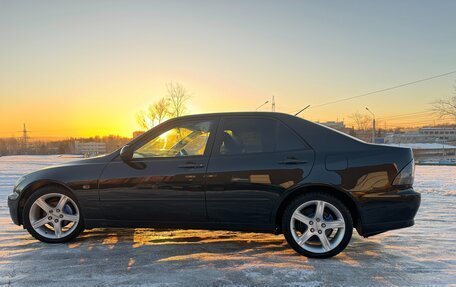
pixel 54 215
pixel 317 226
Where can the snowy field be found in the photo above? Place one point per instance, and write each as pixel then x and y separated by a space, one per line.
pixel 424 255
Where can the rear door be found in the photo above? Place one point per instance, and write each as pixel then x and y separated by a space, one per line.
pixel 253 161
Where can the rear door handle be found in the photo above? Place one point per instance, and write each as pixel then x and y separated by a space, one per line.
pixel 239 179
pixel 292 160
pixel 191 165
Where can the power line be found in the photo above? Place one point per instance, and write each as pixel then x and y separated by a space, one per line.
pixel 437 121
pixel 384 90
pixel 55 131
pixel 411 118
pixel 406 115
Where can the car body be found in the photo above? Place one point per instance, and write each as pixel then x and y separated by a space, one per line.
pixel 252 165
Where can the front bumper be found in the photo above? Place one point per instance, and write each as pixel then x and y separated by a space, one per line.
pixel 13 204
pixel 387 211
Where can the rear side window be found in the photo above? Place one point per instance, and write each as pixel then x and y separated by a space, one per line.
pixel 287 139
pixel 247 136
pixel 256 135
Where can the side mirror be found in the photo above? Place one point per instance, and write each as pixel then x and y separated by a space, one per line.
pixel 126 153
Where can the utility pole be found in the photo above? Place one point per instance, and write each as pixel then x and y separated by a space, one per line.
pixel 25 138
pixel 373 124
pixel 273 104
pixel 443 147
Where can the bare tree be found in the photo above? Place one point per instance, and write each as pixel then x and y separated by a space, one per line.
pixel 155 114
pixel 362 122
pixel 173 105
pixel 446 107
pixel 178 97
pixel 161 110
pixel 142 120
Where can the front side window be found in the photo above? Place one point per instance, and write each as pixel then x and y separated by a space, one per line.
pixel 186 139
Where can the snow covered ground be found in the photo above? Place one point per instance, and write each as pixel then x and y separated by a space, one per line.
pixel 423 255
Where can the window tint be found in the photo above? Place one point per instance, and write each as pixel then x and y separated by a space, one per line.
pixel 186 139
pixel 245 135
pixel 250 135
pixel 287 139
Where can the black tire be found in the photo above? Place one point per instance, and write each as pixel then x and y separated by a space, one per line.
pixel 43 191
pixel 293 205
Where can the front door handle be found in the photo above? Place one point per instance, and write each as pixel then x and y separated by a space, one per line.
pixel 191 165
pixel 291 160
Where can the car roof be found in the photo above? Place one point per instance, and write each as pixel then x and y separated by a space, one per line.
pixel 221 114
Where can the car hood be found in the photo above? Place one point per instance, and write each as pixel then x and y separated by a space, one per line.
pixel 86 168
pixel 98 159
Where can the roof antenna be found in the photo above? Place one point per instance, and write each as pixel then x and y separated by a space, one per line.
pixel 262 105
pixel 302 110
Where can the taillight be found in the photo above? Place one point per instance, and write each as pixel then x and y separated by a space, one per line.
pixel 406 175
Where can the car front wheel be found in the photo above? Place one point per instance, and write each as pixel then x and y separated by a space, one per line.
pixel 51 214
pixel 317 225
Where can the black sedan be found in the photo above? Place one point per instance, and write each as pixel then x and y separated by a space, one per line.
pixel 263 172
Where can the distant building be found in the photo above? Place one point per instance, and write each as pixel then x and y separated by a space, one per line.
pixel 447 133
pixel 340 126
pixel 137 134
pixel 334 125
pixel 89 148
pixel 364 135
pixel 423 152
pixel 407 137
pixel 424 135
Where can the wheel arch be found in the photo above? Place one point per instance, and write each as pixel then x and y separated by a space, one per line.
pixel 343 196
pixel 32 187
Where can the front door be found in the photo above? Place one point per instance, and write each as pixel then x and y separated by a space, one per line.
pixel 253 161
pixel 164 180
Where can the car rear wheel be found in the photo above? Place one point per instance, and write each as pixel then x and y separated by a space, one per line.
pixel 317 225
pixel 52 215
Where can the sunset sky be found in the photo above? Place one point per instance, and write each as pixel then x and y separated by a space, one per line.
pixel 86 68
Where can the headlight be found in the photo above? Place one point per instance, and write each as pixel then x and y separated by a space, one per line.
pixel 406 175
pixel 19 180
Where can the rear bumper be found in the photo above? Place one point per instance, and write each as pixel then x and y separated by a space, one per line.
pixel 374 229
pixel 388 211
